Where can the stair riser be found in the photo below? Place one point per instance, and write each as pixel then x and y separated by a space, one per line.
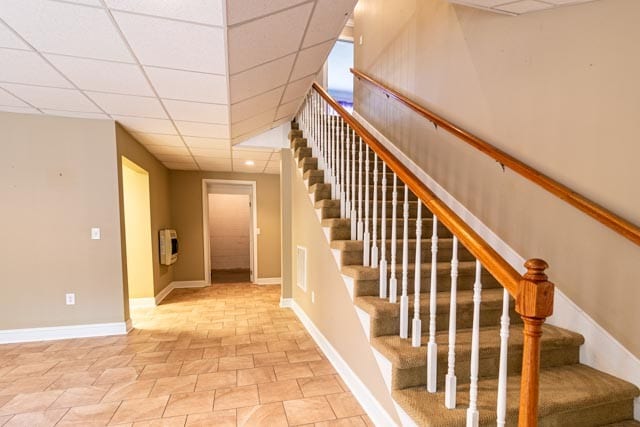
pixel 323 191
pixel 334 211
pixel 343 232
pixel 465 282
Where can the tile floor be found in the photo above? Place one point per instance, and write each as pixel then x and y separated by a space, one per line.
pixel 226 355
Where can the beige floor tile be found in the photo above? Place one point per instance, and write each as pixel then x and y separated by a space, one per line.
pixel 149 358
pixel 169 385
pixel 31 369
pixel 304 411
pixel 279 391
pixel 39 419
pixel 189 403
pixel 319 386
pixel 216 380
pixel 202 366
pixel 30 402
pixel 256 376
pixel 161 370
pixel 236 397
pixel 89 415
pixel 235 362
pixel 322 367
pixel 111 362
pixel 162 422
pixel 254 348
pixel 185 354
pixel 27 385
pixel 345 405
pixel 217 418
pixel 270 415
pixel 117 375
pixel 80 396
pixel 286 345
pixel 76 379
pixel 292 371
pixel 270 359
pixel 127 391
pixel 343 422
pixel 140 409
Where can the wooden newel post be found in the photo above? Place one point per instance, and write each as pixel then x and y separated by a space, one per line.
pixel 534 303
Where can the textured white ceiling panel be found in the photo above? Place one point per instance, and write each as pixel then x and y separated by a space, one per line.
pixel 297 89
pixel 266 39
pixel 288 110
pixel 212 143
pixel 23 110
pixel 517 7
pixel 87 2
pixel 197 111
pixel 246 126
pixel 76 114
pixel 525 6
pixel 102 76
pixel 328 19
pixel 251 154
pixel 188 86
pixel 260 79
pixel 181 166
pixel 9 39
pixel 214 165
pixel 203 11
pixel 205 130
pixel 159 139
pixel 311 59
pixel 207 153
pixel 20 66
pixel 7 99
pixel 240 11
pixel 168 150
pixel 181 45
pixel 256 105
pixel 128 105
pixel 52 98
pixel 56 27
pixel 258 166
pixel 146 125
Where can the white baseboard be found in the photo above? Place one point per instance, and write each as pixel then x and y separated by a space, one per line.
pixel 360 391
pixel 179 285
pixel 62 332
pixel 286 302
pixel 163 293
pixel 128 325
pixel 269 281
pixel 600 350
pixel 142 302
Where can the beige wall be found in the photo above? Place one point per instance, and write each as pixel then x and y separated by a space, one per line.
pixel 59 179
pixel 160 200
pixel 332 312
pixel 186 191
pixel 137 222
pixel 229 228
pixel 557 89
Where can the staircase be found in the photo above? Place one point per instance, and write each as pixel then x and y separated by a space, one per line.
pixel 571 394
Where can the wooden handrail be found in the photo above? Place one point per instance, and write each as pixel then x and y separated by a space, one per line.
pixel 503 272
pixel 591 208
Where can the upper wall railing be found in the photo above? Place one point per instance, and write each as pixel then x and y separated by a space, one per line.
pixel 591 208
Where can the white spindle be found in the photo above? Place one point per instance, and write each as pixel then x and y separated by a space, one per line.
pixel 451 382
pixel 416 329
pixel 347 187
pixel 360 223
pixel 343 201
pixel 354 216
pixel 374 239
pixel 366 237
pixel 383 235
pixel 501 409
pixel 334 155
pixel 472 411
pixel 393 281
pixel 432 347
pixel 404 299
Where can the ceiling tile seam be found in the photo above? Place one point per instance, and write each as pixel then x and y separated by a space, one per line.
pixel 272 89
pixel 166 18
pixel 92 6
pixel 17 97
pixel 44 52
pixel 45 59
pixel 271 125
pixel 295 60
pixel 142 70
pixel 225 6
pixel 509 3
pixel 256 18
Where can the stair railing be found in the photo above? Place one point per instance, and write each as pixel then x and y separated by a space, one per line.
pixel 322 118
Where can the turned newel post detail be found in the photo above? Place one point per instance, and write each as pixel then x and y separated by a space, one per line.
pixel 534 303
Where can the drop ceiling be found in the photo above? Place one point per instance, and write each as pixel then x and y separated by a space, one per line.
pixel 200 83
pixel 517 7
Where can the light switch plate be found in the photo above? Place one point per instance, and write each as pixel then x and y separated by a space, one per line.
pixel 95 233
pixel 70 299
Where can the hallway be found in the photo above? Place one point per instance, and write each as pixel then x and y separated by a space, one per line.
pixel 218 356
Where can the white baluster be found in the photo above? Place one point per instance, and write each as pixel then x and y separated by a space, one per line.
pixel 416 328
pixel 366 237
pixel 334 167
pixel 343 201
pixel 383 236
pixel 374 239
pixel 347 187
pixel 404 299
pixel 451 382
pixel 432 347
pixel 501 408
pixel 360 185
pixel 472 412
pixel 393 281
pixel 354 216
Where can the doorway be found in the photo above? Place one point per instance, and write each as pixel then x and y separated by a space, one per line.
pixel 229 223
pixel 137 229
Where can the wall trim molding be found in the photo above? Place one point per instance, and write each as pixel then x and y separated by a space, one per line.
pixel 360 391
pixel 600 350
pixel 184 284
pixel 135 303
pixel 286 302
pixel 8 336
pixel 128 325
pixel 269 281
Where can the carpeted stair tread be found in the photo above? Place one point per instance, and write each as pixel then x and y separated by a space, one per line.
pixel 625 423
pixel 403 355
pixel 573 395
pixel 359 272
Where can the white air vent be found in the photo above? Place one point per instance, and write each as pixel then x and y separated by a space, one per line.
pixel 301 268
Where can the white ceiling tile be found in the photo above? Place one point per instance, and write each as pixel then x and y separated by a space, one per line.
pixel 251 155
pixel 310 60
pixel 288 110
pixel 52 98
pixel 64 28
pixel 92 74
pixel 211 143
pixel 128 105
pixel 9 39
pixel 146 125
pixel 524 6
pixel 188 86
pixel 23 110
pixel 180 158
pixel 272 171
pixel 158 139
pixel 164 43
pixel 260 79
pixel 329 17
pixel 222 165
pixel 207 153
pixel 9 100
pixel 87 2
pixel 297 89
pixel 21 66
pixel 181 166
pixel 206 130
pixel 256 105
pixel 168 149
pixel 247 126
pixel 240 11
pixel 197 111
pixel 239 165
pixel 203 11
pixel 275 157
pixel 267 38
pixel 76 114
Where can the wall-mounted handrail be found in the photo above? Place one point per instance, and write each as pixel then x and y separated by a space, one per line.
pixel 591 208
pixel 504 273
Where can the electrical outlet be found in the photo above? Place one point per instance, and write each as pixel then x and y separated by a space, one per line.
pixel 95 233
pixel 71 299
pixel 313 297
